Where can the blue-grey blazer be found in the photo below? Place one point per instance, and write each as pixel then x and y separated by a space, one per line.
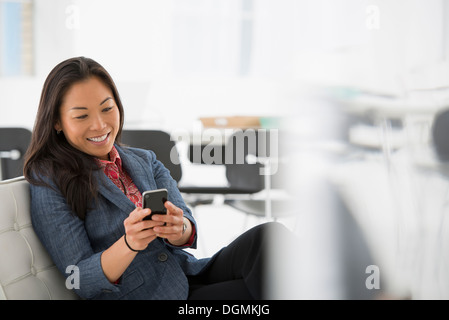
pixel 159 272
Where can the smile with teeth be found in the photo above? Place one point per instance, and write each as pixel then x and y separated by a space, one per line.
pixel 98 139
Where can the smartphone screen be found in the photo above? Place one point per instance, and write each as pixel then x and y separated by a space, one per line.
pixel 155 200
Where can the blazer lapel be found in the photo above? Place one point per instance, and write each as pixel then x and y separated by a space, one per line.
pixel 138 170
pixel 110 191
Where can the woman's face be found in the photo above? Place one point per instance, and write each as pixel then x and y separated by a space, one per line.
pixel 89 117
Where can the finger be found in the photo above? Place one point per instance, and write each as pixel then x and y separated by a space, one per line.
pixel 134 222
pixel 138 214
pixel 168 219
pixel 170 236
pixel 147 224
pixel 144 234
pixel 168 232
pixel 172 209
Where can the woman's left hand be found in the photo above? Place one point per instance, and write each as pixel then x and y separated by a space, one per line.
pixel 174 223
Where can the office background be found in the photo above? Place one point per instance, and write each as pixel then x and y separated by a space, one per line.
pixel 354 84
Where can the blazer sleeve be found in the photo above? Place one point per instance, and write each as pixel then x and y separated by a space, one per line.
pixel 64 236
pixel 164 180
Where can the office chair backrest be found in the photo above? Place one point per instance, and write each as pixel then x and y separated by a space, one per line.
pixel 160 143
pixel 440 135
pixel 241 172
pixel 13 145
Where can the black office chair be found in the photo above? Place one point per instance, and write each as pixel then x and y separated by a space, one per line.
pixel 243 177
pixel 159 142
pixel 257 173
pixel 246 155
pixel 13 144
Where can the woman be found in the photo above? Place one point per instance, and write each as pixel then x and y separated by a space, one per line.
pixel 86 203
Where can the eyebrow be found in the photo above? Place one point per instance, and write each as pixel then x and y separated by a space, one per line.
pixel 84 108
pixel 105 100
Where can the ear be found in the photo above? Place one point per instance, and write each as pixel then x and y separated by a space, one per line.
pixel 58 126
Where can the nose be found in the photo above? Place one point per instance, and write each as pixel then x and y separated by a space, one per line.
pixel 98 123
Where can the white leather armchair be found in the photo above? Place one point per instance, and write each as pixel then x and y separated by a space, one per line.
pixel 26 269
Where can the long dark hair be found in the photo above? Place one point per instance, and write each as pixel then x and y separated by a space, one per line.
pixel 50 156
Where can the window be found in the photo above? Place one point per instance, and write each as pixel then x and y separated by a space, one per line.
pixel 16 38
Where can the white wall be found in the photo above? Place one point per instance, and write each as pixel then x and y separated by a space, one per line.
pixel 323 42
pixel 372 45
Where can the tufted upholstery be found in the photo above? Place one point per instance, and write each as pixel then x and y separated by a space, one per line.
pixel 26 269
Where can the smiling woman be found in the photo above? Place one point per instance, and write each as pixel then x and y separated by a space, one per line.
pixel 79 101
pixel 86 203
pixel 91 128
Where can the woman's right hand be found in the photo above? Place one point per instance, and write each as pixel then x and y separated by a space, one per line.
pixel 139 232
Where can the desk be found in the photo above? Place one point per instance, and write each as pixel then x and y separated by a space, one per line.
pixel 392 108
pixel 415 114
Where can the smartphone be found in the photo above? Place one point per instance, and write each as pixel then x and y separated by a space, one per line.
pixel 154 200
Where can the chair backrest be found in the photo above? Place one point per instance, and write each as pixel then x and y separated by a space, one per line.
pixel 26 269
pixel 261 144
pixel 160 143
pixel 240 173
pixel 16 140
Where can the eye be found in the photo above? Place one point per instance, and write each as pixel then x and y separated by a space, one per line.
pixel 84 116
pixel 107 109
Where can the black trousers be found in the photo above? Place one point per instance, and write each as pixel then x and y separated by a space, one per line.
pixel 238 271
